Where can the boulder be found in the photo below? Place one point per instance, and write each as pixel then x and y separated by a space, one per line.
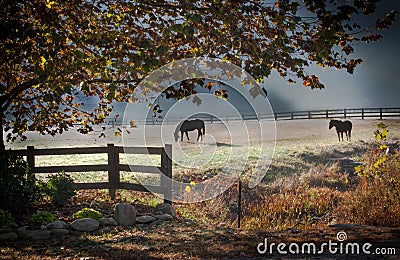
pixel 166 209
pixel 34 234
pixel 145 219
pixel 125 214
pixel 108 222
pixel 58 224
pixel 8 236
pixel 164 217
pixel 85 224
pixel 59 232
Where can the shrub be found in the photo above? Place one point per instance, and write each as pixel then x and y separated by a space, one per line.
pixel 88 213
pixel 6 220
pixel 42 217
pixel 60 188
pixel 18 189
pixel 376 199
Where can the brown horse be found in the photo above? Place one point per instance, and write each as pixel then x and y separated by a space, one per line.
pixel 342 127
pixel 190 125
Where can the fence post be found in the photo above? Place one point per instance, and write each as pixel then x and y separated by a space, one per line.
pixel 327 113
pixel 291 115
pixel 30 157
pixel 362 113
pixel 309 114
pixel 380 113
pixel 113 170
pixel 344 113
pixel 166 175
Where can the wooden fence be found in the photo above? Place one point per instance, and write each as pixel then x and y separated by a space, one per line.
pixel 113 167
pixel 362 113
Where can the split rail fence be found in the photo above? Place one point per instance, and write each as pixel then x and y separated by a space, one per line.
pixel 113 167
pixel 362 113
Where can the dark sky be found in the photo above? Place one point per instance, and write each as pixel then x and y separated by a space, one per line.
pixel 375 83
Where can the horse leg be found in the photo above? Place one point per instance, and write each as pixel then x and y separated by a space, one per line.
pixel 181 136
pixel 349 135
pixel 338 135
pixel 187 135
pixel 341 135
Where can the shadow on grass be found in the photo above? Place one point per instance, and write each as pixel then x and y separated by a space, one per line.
pixel 195 242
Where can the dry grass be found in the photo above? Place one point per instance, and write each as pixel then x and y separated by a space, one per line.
pixel 310 183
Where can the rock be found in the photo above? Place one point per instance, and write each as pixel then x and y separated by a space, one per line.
pixel 58 224
pixel 58 232
pixel 166 209
pixel 164 217
pixel 157 222
pixel 34 234
pixel 8 236
pixel 125 214
pixel 23 228
pixel 108 222
pixel 85 224
pixel 145 219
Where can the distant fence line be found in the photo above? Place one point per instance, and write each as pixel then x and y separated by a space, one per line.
pixel 362 113
pixel 113 167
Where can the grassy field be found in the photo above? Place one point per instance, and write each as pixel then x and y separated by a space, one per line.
pixel 299 145
pixel 309 186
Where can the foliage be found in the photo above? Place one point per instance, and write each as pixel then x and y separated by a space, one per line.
pixel 42 217
pixel 53 53
pixel 60 188
pixel 378 155
pixel 376 199
pixel 88 213
pixel 6 220
pixel 18 190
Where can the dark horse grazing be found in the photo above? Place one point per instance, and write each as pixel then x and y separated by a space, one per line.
pixel 190 125
pixel 342 127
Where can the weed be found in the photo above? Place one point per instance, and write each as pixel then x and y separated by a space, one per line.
pixel 88 213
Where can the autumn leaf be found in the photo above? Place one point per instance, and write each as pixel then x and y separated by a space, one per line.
pixel 209 85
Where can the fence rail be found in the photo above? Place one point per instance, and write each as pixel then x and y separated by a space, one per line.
pixel 113 167
pixel 362 113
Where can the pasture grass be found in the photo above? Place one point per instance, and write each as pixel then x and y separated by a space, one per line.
pixel 310 183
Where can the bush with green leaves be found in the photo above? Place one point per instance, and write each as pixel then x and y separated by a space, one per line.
pixel 60 188
pixel 88 213
pixel 6 220
pixel 42 217
pixel 18 189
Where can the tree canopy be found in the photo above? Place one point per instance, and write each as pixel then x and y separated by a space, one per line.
pixel 55 52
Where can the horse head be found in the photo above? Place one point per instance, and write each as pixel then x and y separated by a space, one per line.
pixel 177 129
pixel 176 136
pixel 332 123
